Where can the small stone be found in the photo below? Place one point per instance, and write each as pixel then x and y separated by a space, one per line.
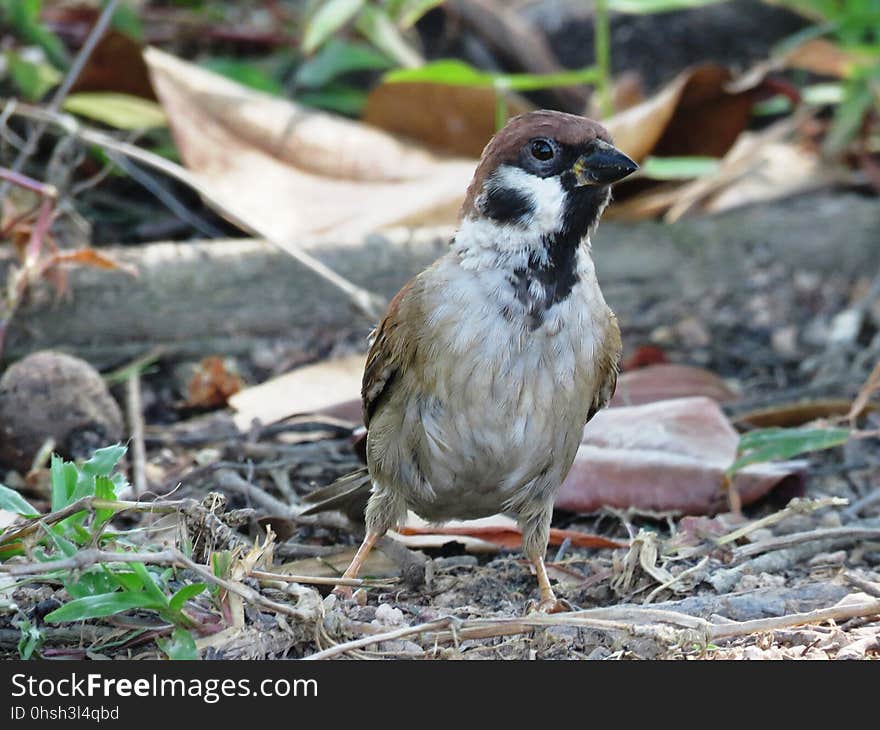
pixel 387 615
pixel 836 558
pixel 50 395
pixel 785 341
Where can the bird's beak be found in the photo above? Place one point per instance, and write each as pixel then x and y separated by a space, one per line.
pixel 602 165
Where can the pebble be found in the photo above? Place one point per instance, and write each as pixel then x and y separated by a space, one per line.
pixel 387 615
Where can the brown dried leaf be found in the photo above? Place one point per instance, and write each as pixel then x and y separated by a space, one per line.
pixel 664 456
pixel 212 384
pixel 89 257
pixel 694 114
pixel 458 120
pixel 285 171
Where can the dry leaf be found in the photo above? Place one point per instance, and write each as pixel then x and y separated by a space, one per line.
pixel 212 384
pixel 664 456
pixel 116 64
pixel 89 257
pixel 694 114
pixel 458 120
pixel 285 171
pixel 669 381
pixel 499 530
pixel 309 389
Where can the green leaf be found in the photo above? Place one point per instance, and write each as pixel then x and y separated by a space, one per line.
pixel 374 23
pixel 185 594
pixel 31 638
pixel 125 579
pixel 336 58
pixel 12 501
pixel 24 17
pixel 104 460
pixel 858 101
pixel 63 477
pixel 181 645
pixel 330 16
pixel 459 73
pixel 62 544
pixel 245 73
pixel 678 168
pixel 339 99
pixel 33 79
pixel 773 444
pixel 91 583
pixel 126 20
pixel 150 585
pixel 104 489
pixel 121 111
pixel 641 7
pixel 107 604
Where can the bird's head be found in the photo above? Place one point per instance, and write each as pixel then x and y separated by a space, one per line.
pixel 548 173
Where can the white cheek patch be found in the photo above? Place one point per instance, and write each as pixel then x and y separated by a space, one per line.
pixel 546 193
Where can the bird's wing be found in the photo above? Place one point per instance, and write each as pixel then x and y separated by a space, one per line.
pixel 607 365
pixel 393 346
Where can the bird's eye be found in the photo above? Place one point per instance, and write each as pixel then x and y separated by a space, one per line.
pixel 542 150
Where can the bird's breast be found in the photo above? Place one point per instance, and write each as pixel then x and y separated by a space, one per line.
pixel 499 404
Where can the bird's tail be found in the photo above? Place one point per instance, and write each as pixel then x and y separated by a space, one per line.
pixel 348 494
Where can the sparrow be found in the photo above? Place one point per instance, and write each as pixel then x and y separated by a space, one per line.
pixel 487 365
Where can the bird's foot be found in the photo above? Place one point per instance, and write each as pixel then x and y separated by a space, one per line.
pixel 550 604
pixel 343 593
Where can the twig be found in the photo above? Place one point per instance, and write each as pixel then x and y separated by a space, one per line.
pixel 795 507
pixel 832 534
pixel 387 636
pixel 134 409
pixel 866 586
pixel 63 90
pixel 322 581
pixel 675 579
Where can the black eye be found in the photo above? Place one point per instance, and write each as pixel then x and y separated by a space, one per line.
pixel 541 150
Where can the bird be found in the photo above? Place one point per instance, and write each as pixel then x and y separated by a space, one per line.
pixel 487 365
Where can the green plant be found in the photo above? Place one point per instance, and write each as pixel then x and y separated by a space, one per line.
pixel 773 444
pixel 98 588
pixel 855 26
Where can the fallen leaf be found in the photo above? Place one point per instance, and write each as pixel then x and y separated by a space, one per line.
pixel 458 120
pixel 116 64
pixel 285 171
pixel 212 384
pixel 89 257
pixel 694 115
pixel 665 456
pixel 667 381
pixel 310 389
pixel 121 111
pixel 498 530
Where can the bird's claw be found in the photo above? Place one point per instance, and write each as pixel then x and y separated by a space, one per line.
pixel 551 604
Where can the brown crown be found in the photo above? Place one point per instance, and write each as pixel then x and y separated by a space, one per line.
pixel 504 147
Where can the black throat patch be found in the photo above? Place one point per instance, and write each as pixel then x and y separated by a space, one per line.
pixel 547 281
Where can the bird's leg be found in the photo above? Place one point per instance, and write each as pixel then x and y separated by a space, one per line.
pixel 549 603
pixel 384 510
pixel 535 526
pixel 354 568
